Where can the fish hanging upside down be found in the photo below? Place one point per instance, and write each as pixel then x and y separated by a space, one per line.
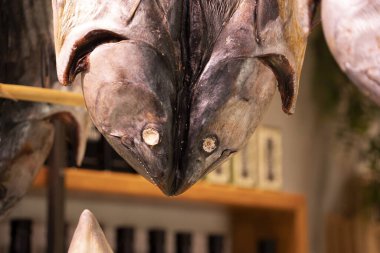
pixel 26 137
pixel 26 129
pixel 177 86
pixel 352 31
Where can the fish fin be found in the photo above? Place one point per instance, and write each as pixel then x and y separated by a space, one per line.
pixel 76 120
pixel 88 236
pixel 286 79
pixel 282 30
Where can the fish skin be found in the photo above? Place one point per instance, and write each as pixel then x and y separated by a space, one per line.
pixel 26 129
pixel 26 138
pixel 153 84
pixel 237 83
pixel 24 146
pixel 352 32
pixel 192 70
pixel 147 106
pixel 88 236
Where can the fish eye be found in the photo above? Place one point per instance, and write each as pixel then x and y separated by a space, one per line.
pixel 151 136
pixel 3 191
pixel 210 144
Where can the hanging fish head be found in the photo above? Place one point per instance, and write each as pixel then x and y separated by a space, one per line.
pixel 127 101
pixel 176 87
pixel 127 80
pixel 256 46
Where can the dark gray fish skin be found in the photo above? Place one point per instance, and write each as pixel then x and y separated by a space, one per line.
pixel 26 138
pixel 25 143
pixel 134 91
pixel 122 121
pixel 26 130
pixel 178 86
pixel 352 31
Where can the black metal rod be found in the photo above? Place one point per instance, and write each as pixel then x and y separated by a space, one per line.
pixel 56 192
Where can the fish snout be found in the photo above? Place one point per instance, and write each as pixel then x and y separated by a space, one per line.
pixel 129 94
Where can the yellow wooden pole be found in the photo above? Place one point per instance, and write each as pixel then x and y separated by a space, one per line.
pixel 34 94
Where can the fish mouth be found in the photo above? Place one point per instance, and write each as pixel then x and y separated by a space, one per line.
pixel 77 61
pixel 198 165
pixel 155 167
pixel 129 95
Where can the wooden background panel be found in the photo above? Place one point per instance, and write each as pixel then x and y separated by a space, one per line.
pixel 250 227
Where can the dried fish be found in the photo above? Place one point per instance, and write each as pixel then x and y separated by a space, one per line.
pixel 26 137
pixel 26 129
pixel 177 86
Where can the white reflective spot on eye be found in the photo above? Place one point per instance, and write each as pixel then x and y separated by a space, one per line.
pixel 209 144
pixel 151 136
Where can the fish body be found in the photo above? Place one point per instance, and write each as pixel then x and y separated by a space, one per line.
pixel 177 86
pixel 352 32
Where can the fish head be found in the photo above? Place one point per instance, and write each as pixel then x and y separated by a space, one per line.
pixel 261 47
pixel 176 87
pixel 130 106
pixel 128 82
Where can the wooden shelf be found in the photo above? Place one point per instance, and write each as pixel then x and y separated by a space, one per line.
pixel 255 213
pixel 124 184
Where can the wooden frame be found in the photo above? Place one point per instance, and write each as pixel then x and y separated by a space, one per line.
pixel 269 158
pixel 245 164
